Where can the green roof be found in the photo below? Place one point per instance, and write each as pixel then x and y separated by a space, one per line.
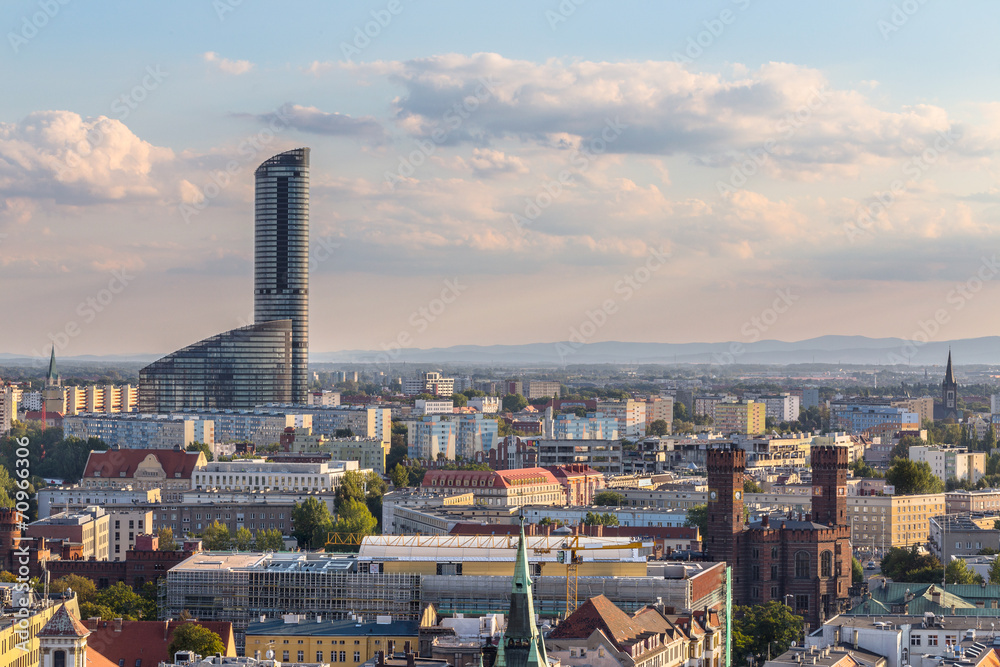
pixel 337 628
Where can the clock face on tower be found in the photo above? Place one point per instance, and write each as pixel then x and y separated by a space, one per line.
pixel 713 495
pixel 738 495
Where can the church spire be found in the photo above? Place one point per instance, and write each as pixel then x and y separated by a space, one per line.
pixel 52 379
pixel 522 644
pixel 949 375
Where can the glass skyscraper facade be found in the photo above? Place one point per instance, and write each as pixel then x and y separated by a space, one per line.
pixel 266 362
pixel 281 253
pixel 238 369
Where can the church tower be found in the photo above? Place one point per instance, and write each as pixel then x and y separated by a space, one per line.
pixel 726 466
pixel 949 393
pixel 53 394
pixel 521 645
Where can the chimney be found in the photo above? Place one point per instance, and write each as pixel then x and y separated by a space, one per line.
pixel 380 659
pixel 406 647
pixel 765 521
pixel 118 625
pixel 410 659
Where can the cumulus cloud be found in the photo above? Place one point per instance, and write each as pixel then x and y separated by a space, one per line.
pixel 62 156
pixel 666 107
pixel 227 66
pixel 316 121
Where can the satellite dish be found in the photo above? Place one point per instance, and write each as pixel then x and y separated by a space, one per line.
pixel 269 655
pixel 792 645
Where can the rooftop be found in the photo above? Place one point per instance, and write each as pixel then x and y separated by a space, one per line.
pixel 319 627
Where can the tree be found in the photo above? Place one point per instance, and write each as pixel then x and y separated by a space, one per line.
pixel 658 427
pixel 605 519
pixel 343 433
pixel 269 540
pixel 861 468
pixel 609 498
pixel 857 572
pixel 681 412
pixel 460 400
pixel 697 517
pixel 216 537
pixel 126 603
pixel 911 566
pixel 958 572
pixel 751 486
pixel 912 477
pixel 166 539
pixel 763 628
pixel 399 475
pixel 197 638
pixel 85 589
pixel 243 539
pixel 355 518
pixel 514 402
pixel 902 448
pixel 307 517
pixel 9 577
pixel 994 571
pixel 201 447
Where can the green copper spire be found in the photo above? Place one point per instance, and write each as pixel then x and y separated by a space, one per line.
pixel 53 375
pixel 501 660
pixel 522 642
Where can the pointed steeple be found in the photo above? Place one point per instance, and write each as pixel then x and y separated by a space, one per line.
pixel 522 644
pixel 52 379
pixel 949 375
pixel 501 660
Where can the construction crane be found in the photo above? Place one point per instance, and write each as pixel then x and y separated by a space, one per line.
pixel 567 554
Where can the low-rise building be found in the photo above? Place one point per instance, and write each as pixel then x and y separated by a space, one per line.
pixel 168 470
pixel 580 481
pixel 485 404
pixel 964 535
pixel 951 462
pixel 500 488
pixel 604 456
pixel 430 407
pixel 259 475
pixel 86 529
pixel 351 641
pixel 983 500
pixel 54 499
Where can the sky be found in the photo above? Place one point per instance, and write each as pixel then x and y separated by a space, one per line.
pixel 502 172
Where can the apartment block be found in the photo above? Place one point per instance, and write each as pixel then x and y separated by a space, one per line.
pixel 631 415
pixel 126 524
pixel 924 407
pixel 893 521
pixel 984 500
pixel 141 431
pixel 602 455
pixel 748 417
pixel 485 404
pixel 422 407
pixel 86 531
pixel 542 389
pixel 429 383
pixel 951 462
pixel 9 395
pixel 429 437
pixel 660 408
pixel 872 419
pixel 595 426
pixel 260 476
pixel 704 406
pixel 362 421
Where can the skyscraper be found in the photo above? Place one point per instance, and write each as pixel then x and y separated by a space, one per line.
pixel 281 253
pixel 265 362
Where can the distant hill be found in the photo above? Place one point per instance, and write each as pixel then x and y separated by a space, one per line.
pixel 822 350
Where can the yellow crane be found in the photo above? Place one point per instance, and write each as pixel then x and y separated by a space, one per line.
pixel 567 553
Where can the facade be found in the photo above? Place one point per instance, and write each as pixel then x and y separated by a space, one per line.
pixel 348 642
pixel 924 407
pixel 238 369
pixel 429 383
pixel 501 488
pixel 580 481
pixel 595 426
pixel 324 397
pixel 37 615
pixel 281 254
pixel 255 512
pixel 704 406
pixel 169 470
pixel 430 438
pixel 959 536
pixel 880 522
pixel 100 398
pixel 369 453
pixel 953 462
pixel 984 500
pixel 605 456
pixel 809 561
pixel 53 499
pixel 485 404
pixel 475 435
pixel 747 417
pixel 126 524
pixel 261 427
pixel 442 407
pixel 542 389
pixel 87 528
pixel 9 395
pixel 362 421
pixel 260 476
pixel 857 418
pixel 141 431
pixel 782 407
pixel 660 408
pixel 631 415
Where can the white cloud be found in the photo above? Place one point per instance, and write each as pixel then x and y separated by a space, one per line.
pixel 227 66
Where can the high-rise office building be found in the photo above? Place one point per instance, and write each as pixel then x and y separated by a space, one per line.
pixel 265 362
pixel 281 253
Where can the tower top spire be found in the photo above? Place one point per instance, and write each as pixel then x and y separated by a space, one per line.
pixel 949 375
pixel 52 377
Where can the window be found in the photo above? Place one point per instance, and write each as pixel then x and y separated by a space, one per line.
pixel 914 640
pixel 802 602
pixel 357 656
pixel 774 573
pixel 284 656
pixel 59 659
pixel 932 640
pixel 343 656
pixel 302 656
pixel 333 656
pixel 319 656
pixel 802 565
pixel 826 563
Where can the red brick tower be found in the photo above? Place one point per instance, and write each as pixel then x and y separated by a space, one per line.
pixel 726 465
pixel 10 534
pixel 829 502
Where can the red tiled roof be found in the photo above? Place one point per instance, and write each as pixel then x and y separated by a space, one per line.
pixel 95 659
pixel 483 478
pixel 63 624
pixel 116 461
pixel 600 613
pixel 146 640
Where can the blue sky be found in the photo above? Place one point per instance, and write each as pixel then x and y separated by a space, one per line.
pixel 754 163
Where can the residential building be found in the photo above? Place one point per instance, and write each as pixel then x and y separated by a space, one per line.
pixel 631 415
pixel 874 419
pixel 253 511
pixel 595 426
pixel 781 407
pixel 704 406
pixel 501 488
pixel 350 641
pixel 475 436
pixel 660 408
pixel 76 498
pixel 429 383
pixel 924 407
pixel 542 389
pixel 485 404
pixel 604 456
pixel 126 524
pixel 260 426
pixel 880 522
pixel 599 633
pixel 324 397
pixel 951 462
pixel 87 529
pixel 748 417
pixel 141 431
pixel 580 481
pixel 8 406
pixel 810 397
pixel 21 644
pixel 145 643
pixel 101 398
pixel 361 421
pixel 261 476
pixel 369 453
pixel 966 535
pixel 983 500
pixel 430 438
pixel 169 470
pixel 443 407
